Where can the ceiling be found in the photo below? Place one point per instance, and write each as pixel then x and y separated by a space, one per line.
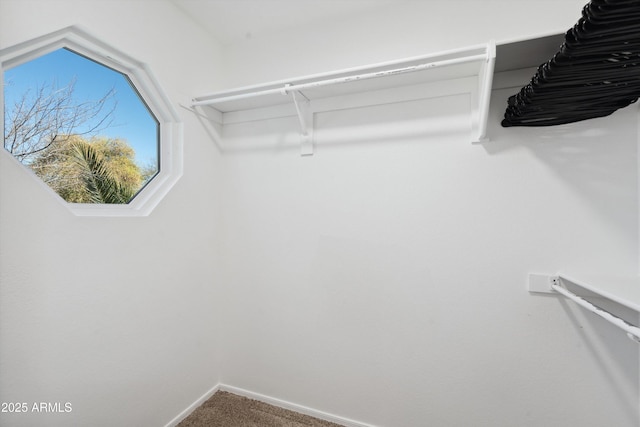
pixel 234 20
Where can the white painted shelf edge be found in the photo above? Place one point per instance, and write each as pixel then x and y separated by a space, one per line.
pixel 619 289
pixel 624 290
pixel 477 61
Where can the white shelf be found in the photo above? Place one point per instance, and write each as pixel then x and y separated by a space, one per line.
pixel 374 84
pixel 622 290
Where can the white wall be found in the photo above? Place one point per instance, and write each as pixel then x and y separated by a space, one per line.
pixel 112 314
pixel 384 279
pixel 408 28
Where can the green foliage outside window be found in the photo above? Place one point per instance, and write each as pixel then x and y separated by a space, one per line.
pixel 67 139
pixel 96 170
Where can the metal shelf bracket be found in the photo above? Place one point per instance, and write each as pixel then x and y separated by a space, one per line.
pixel 305 118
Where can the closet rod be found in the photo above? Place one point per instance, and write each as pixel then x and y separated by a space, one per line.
pixel 284 90
pixel 633 332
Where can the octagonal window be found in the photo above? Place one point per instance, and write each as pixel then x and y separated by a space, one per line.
pixel 91 122
pixel 81 127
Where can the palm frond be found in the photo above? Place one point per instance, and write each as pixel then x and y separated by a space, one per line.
pixel 101 184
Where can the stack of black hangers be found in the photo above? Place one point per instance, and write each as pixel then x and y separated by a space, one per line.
pixel 596 71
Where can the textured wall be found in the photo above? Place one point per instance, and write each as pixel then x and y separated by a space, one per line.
pixel 385 278
pixel 111 314
pixel 406 28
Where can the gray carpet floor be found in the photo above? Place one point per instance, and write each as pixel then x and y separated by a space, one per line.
pixel 225 409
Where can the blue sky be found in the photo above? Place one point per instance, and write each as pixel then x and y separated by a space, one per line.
pixel 131 121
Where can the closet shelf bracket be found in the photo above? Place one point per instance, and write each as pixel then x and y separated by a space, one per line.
pixel 305 118
pixel 485 82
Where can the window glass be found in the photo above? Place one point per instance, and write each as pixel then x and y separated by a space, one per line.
pixel 81 127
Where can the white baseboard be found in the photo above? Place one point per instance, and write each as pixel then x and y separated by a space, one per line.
pixel 266 399
pixel 293 407
pixel 184 414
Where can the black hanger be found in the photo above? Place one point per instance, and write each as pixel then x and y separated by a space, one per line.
pixel 595 72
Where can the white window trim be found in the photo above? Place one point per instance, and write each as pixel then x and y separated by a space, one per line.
pixel 171 128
